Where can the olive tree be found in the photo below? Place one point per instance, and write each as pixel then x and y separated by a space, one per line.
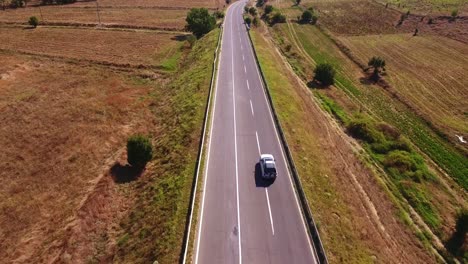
pixel 378 65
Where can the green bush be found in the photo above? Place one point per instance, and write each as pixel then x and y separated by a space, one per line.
pixel 308 17
pixel 260 3
pixel 363 129
pixel 200 22
pixel 253 11
pixel 418 199
pixel 218 14
pixel 324 74
pixel 33 21
pixel 248 20
pixel 278 18
pixel 268 9
pixel 191 39
pixel 139 151
pixel 457 243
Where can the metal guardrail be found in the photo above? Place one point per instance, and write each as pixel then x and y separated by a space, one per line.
pixel 193 194
pixel 311 225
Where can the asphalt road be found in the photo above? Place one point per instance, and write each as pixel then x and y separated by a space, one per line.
pixel 242 218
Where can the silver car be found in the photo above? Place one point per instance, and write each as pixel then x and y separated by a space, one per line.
pixel 268 166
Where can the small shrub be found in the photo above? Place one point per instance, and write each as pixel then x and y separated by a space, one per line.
pixel 218 14
pixel 248 20
pixel 260 3
pixel 278 18
pixel 298 2
pixel 306 17
pixel 325 74
pixel 17 3
pixel 33 21
pixel 454 13
pixel 246 9
pixel 268 9
pixel 457 244
pixel 191 39
pixel 253 11
pixel 378 66
pixel 288 48
pixel 430 21
pixel 139 151
pixel 363 129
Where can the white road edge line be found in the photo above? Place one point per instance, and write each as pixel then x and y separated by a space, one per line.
pixel 269 210
pixel 235 143
pixel 243 58
pixel 245 69
pixel 251 107
pixel 258 143
pixel 282 152
pixel 248 86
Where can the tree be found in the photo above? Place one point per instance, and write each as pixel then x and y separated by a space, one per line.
pixel 246 9
pixel 268 9
pixel 298 2
pixel 139 151
pixel 260 3
pixel 253 11
pixel 200 22
pixel 248 20
pixel 378 65
pixel 278 18
pixel 33 21
pixel 324 74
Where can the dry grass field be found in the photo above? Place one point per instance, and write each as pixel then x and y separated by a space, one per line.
pixel 428 71
pixel 123 17
pixel 441 7
pixel 104 46
pixel 70 95
pixel 157 14
pixel 63 127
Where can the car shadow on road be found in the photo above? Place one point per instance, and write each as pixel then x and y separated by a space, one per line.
pixel 259 181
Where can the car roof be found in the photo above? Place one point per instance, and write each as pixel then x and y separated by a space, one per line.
pixel 267 156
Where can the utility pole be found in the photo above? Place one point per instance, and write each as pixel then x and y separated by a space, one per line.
pixel 97 11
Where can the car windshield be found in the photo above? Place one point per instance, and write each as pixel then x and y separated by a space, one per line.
pixel 270 170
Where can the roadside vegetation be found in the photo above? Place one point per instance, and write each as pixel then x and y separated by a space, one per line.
pixel 108 132
pixel 156 224
pixel 332 177
pixel 397 138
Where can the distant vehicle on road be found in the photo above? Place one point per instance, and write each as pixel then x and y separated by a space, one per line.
pixel 268 166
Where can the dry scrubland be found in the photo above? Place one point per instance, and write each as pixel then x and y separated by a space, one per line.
pixel 70 97
pixel 425 99
pixel 62 127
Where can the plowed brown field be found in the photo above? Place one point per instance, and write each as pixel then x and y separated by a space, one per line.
pixel 107 46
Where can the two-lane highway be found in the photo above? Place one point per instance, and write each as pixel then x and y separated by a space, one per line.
pixel 242 218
